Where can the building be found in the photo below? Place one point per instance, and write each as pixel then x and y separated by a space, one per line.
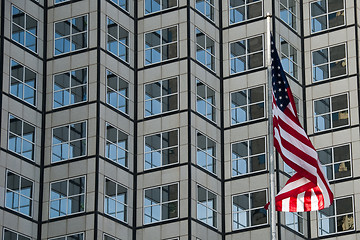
pixel 147 119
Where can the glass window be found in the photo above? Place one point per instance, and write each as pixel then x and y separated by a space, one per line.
pixel 117 92
pixel 206 152
pixel 122 3
pixel 207 206
pixel 21 137
pixel 206 7
pixel 60 1
pixel 161 45
pixel 152 6
pixel 248 210
pixel 246 54
pixel 67 197
pixel 161 149
pixel 288 12
pixel 19 193
pixel 327 14
pixel 116 148
pixel 161 203
pixel 205 100
pixel 115 203
pixel 117 40
pixel 339 217
pixel 205 49
pixel 329 62
pixel 161 97
pixel 68 142
pixel 336 162
pixel 70 88
pixel 71 35
pixel 11 235
pixel 108 237
pixel 331 112
pixel 247 105
pixel 295 221
pixel 24 29
pixel 23 83
pixel 78 236
pixel 248 156
pixel 241 10
pixel 289 58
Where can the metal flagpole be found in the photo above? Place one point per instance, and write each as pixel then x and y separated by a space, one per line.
pixel 271 138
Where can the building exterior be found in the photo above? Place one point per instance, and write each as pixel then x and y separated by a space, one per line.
pixel 147 119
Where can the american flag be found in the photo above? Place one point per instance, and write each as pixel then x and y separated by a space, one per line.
pixel 308 189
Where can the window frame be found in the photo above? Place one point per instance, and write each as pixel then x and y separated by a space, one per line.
pixel 118 41
pixel 246 13
pixel 117 4
pixel 294 215
pixel 212 19
pixel 204 49
pixel 207 209
pixel 161 9
pixel 127 98
pixel 126 205
pixel 290 13
pixel 109 236
pixel 61 1
pixel 161 96
pixel 117 147
pixel 68 235
pixel 17 233
pixel 295 64
pixel 206 102
pixel 212 156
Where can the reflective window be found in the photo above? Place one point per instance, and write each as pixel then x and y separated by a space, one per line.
pixel 205 49
pixel 248 156
pixel 295 221
pixel 108 237
pixel 206 152
pixel 161 97
pixel 60 1
pixel 70 88
pixel 23 83
pixel 68 142
pixel 117 40
pixel 19 194
pixel 117 92
pixel 161 203
pixel 11 235
pixel 152 6
pixel 205 100
pixel 339 217
pixel 241 10
pixel 21 137
pixel 206 7
pixel 115 203
pixel 247 105
pixel 161 45
pixel 331 112
pixel 71 35
pixel 336 162
pixel 67 197
pixel 161 149
pixel 288 12
pixel 327 14
pixel 246 54
pixel 248 210
pixel 289 58
pixel 207 206
pixel 78 236
pixel 329 62
pixel 116 148
pixel 24 29
pixel 122 3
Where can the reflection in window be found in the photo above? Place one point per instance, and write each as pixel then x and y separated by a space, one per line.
pixel 70 88
pixel 241 10
pixel 115 203
pixel 246 54
pixel 152 6
pixel 108 237
pixel 247 105
pixel 11 235
pixel 71 35
pixel 68 142
pixel 248 156
pixel 289 58
pixel 60 1
pixel 161 97
pixel 21 137
pixel 206 7
pixel 116 147
pixel 339 217
pixel 295 221
pixel 24 29
pixel 161 149
pixel 288 12
pixel 207 206
pixel 161 203
pixel 117 92
pixel 161 45
pixel 78 236
pixel 205 49
pixel 67 197
pixel 19 194
pixel 331 112
pixel 206 152
pixel 117 40
pixel 122 3
pixel 248 210
pixel 205 100
pixel 23 82
pixel 327 14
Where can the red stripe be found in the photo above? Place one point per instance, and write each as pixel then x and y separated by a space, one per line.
pixel 307 201
pixel 293 204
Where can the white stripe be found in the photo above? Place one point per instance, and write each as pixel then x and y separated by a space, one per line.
pixel 314 201
pixel 300 202
pixel 285 205
pixel 293 185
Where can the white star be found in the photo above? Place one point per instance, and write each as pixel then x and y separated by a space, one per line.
pixel 279 82
pixel 279 75
pixel 285 89
pixel 280 97
pixel 278 67
pixel 273 82
pixel 279 89
pixel 286 97
pixel 272 67
pixel 281 105
pixel 273 75
pixel 272 50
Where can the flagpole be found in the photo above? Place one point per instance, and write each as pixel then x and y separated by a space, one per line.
pixel 271 138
